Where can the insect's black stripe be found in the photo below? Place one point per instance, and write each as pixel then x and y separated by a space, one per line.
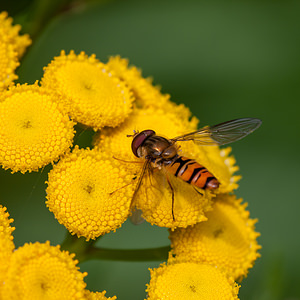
pixel 196 170
pixel 182 170
pixel 207 181
pixel 182 163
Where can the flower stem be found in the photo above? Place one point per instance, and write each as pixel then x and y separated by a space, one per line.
pixel 150 254
pixel 76 245
pixel 86 251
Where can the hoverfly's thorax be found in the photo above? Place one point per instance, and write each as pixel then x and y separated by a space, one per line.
pixel 155 146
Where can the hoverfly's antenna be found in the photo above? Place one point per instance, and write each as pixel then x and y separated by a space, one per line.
pixel 134 133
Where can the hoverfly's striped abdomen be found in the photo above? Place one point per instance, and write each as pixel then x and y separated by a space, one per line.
pixel 192 172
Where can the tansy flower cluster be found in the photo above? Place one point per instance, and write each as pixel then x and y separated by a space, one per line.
pixel 93 191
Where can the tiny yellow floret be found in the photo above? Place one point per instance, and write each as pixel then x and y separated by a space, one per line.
pixel 227 240
pixel 40 271
pixel 89 92
pixel 33 131
pixel 87 195
pixel 191 281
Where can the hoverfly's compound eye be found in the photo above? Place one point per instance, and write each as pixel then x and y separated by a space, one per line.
pixel 139 139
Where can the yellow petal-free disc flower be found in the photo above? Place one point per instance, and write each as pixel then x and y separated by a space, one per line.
pixel 89 92
pixel 33 131
pixel 40 271
pixel 97 296
pixel 6 242
pixel 227 240
pixel 178 281
pixel 12 46
pixel 89 195
pixel 155 195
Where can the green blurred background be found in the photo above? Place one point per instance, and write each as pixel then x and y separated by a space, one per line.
pixel 224 60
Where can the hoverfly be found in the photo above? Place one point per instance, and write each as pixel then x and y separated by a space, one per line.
pixel 162 153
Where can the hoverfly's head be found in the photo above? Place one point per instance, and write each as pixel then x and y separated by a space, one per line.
pixel 139 138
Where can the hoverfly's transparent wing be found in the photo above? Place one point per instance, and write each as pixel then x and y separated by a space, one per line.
pixel 147 190
pixel 223 133
pixel 136 216
pixel 143 174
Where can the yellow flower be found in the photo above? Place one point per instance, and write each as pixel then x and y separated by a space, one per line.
pixel 97 296
pixel 33 132
pixel 12 47
pixel 40 271
pixel 155 196
pixel 89 92
pixel 89 195
pixel 6 242
pixel 227 240
pixel 184 280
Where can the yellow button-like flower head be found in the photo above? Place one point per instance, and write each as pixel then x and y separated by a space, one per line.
pixel 191 281
pixel 33 131
pixel 227 240
pixel 154 197
pixel 97 296
pixel 40 271
pixel 12 46
pixel 6 242
pixel 88 194
pixel 89 92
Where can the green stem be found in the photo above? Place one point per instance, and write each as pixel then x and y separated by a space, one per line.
pixel 150 254
pixel 76 245
pixel 86 251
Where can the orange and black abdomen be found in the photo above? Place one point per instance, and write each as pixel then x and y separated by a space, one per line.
pixel 192 172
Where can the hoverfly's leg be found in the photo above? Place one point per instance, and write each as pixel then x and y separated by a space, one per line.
pixel 128 161
pixel 134 178
pixel 144 169
pixel 197 191
pixel 172 190
pixel 150 175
